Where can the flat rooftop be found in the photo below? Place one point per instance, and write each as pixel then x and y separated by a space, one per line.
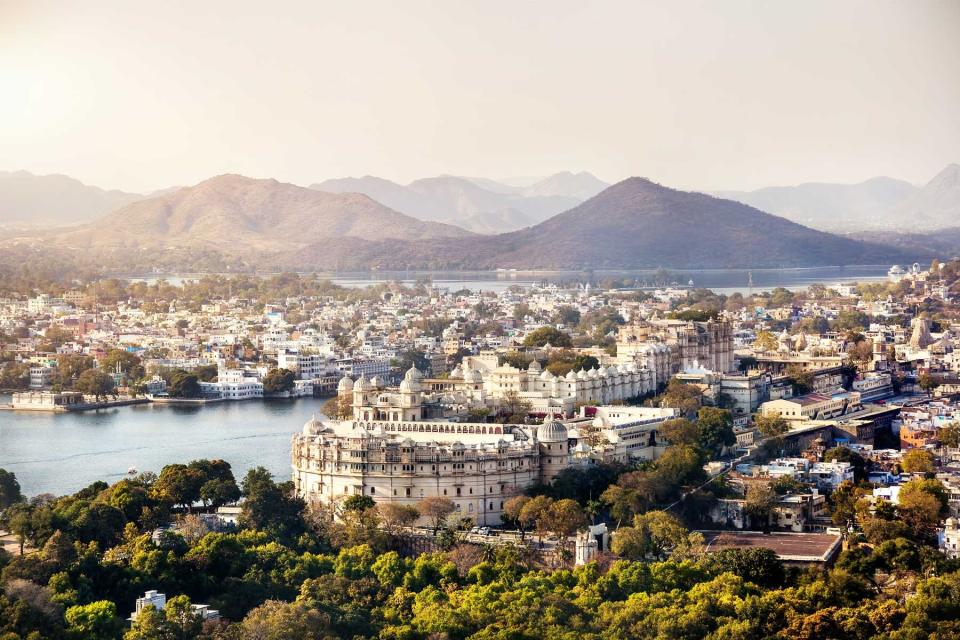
pixel 789 547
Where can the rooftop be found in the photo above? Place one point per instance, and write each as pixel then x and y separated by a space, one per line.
pixel 789 547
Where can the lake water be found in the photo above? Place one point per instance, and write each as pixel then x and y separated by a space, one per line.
pixel 64 452
pixel 720 280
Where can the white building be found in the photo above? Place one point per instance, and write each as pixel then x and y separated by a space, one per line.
pixel 949 538
pixel 634 432
pixel 155 598
pixel 390 452
pixel 829 475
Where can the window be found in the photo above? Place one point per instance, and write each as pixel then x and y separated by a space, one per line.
pixel 373 490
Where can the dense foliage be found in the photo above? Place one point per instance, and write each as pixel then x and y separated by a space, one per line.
pixel 293 572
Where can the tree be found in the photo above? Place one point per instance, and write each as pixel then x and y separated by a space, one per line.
pixel 358 503
pixel 680 395
pixel 183 385
pixel 536 514
pixel 565 518
pixel 917 461
pixel 511 510
pixel 566 315
pixel 18 520
pixel 547 335
pixel 665 534
pixel 278 381
pixel 9 490
pixel 770 426
pixel 219 491
pixel 178 484
pixel 760 566
pixel 679 431
pixel 69 368
pixel 14 375
pixel 271 507
pixel 129 363
pixel 715 429
pixel 275 620
pixel 149 625
pixel 928 383
pixel 802 379
pixel 513 408
pixel 94 621
pixel 629 543
pixel 183 623
pixel 436 509
pixel 950 435
pixel 94 382
pixel 845 454
pixel 761 499
pixel 397 516
pixel 765 341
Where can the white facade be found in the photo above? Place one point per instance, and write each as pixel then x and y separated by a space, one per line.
pixel 476 466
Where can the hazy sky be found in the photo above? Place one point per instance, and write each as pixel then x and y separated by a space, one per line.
pixel 722 94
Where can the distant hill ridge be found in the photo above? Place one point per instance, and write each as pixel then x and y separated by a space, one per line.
pixel 478 204
pixel 877 204
pixel 54 200
pixel 635 223
pixel 235 213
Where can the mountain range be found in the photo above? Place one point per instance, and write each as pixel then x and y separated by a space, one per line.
pixel 478 204
pixel 878 204
pixel 30 200
pixel 232 213
pixel 635 223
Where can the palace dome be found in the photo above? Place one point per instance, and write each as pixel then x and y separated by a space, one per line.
pixel 552 431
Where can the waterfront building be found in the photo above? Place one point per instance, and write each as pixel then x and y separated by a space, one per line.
pixel 392 451
pixel 47 400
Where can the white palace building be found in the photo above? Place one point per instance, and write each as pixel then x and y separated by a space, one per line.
pixel 391 453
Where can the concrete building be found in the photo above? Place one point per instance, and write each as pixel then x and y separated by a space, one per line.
pixel 813 406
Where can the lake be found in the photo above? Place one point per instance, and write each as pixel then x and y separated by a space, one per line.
pixel 63 452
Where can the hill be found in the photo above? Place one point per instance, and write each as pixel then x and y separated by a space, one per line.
pixel 832 207
pixel 54 200
pixel 936 205
pixel 633 224
pixel 478 204
pixel 234 213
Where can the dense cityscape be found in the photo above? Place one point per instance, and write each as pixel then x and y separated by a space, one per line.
pixel 560 443
pixel 431 320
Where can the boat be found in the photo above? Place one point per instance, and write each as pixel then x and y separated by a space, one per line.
pixel 132 471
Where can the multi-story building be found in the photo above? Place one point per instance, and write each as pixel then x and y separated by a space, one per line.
pixel 391 452
pixel 813 406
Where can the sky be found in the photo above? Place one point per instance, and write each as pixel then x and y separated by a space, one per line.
pixel 707 95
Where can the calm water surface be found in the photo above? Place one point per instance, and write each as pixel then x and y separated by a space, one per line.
pixel 62 453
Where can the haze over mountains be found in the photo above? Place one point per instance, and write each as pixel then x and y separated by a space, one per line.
pixel 234 213
pixel 478 204
pixel 878 204
pixel 54 200
pixel 635 223
pixel 548 223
